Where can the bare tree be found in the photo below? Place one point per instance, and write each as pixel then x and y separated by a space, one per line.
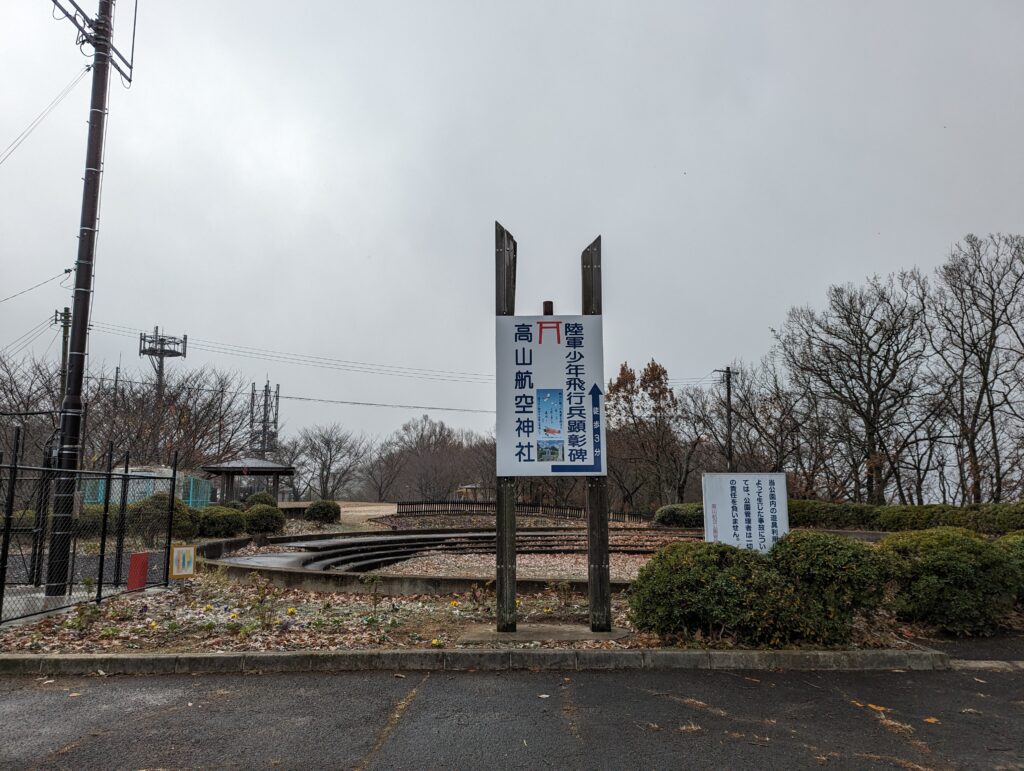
pixel 865 352
pixel 333 457
pixel 382 467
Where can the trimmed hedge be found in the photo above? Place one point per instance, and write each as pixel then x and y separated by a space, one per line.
pixel 808 591
pixel 261 519
pixel 261 498
pixel 952 578
pixel 1013 545
pixel 148 518
pixel 838 577
pixel 324 512
pixel 991 519
pixel 220 522
pixel 688 515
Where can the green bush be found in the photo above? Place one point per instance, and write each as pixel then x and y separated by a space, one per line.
pixel 680 515
pixel 261 498
pixel 324 512
pixel 1013 545
pixel 839 577
pixel 261 519
pixel 715 589
pixel 833 516
pixel 237 505
pixel 952 578
pixel 90 521
pixel 148 519
pixel 220 522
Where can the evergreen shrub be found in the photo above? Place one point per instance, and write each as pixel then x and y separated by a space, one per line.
pixel 263 520
pixel 953 578
pixel 324 512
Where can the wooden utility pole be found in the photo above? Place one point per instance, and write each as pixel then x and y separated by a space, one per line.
pixel 505 305
pixel 598 573
pixel 71 410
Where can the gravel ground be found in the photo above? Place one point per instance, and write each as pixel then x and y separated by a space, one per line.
pixel 561 566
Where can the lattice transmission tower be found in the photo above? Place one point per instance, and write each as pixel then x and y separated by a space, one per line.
pixel 264 407
pixel 158 347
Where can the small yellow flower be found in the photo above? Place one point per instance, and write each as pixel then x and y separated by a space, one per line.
pixel 547 610
pixel 207 607
pixel 152 624
pixel 455 603
pixel 291 611
pixel 233 615
pixel 518 602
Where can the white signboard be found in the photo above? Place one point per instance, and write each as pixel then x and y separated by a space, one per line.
pixel 550 396
pixel 749 511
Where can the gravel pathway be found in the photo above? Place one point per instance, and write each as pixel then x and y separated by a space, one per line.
pixel 623 566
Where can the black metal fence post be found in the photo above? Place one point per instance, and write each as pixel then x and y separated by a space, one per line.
pixel 170 520
pixel 42 508
pixel 121 515
pixel 103 524
pixel 5 543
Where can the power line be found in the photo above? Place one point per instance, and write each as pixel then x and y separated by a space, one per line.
pixel 64 272
pixel 16 142
pixel 377 404
pixel 23 342
pixel 123 381
pixel 321 362
pixel 22 336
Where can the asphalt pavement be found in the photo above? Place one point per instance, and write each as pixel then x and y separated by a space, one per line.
pixel 573 720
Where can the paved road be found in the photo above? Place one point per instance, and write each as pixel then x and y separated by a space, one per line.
pixel 615 720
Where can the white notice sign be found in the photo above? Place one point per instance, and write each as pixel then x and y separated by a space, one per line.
pixel 550 396
pixel 746 510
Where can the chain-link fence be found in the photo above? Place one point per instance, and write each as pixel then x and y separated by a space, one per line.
pixel 79 536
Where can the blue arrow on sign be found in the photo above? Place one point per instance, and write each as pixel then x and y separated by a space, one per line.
pixel 595 423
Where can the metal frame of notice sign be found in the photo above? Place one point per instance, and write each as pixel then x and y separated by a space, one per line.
pixel 550 408
pixel 745 510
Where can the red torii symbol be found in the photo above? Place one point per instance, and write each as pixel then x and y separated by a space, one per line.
pixel 555 325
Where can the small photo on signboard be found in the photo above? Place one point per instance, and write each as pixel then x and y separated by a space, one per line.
pixel 549 450
pixel 183 561
pixel 549 413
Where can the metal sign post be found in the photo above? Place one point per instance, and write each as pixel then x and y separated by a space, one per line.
pixel 550 418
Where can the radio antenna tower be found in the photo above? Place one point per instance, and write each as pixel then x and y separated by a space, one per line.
pixel 264 406
pixel 157 347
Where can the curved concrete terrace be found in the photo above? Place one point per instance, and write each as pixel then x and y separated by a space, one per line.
pixel 334 563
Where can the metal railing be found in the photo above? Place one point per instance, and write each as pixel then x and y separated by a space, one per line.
pixel 57 551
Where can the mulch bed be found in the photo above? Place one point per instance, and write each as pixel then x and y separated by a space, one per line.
pixel 624 567
pixel 212 613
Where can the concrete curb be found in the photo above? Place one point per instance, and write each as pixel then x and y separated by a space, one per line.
pixel 475 659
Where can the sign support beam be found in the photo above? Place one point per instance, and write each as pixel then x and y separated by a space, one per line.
pixel 598 572
pixel 505 305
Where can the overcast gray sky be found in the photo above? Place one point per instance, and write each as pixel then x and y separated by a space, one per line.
pixel 323 177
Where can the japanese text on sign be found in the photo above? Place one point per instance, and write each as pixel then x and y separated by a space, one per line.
pixel 745 510
pixel 550 396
